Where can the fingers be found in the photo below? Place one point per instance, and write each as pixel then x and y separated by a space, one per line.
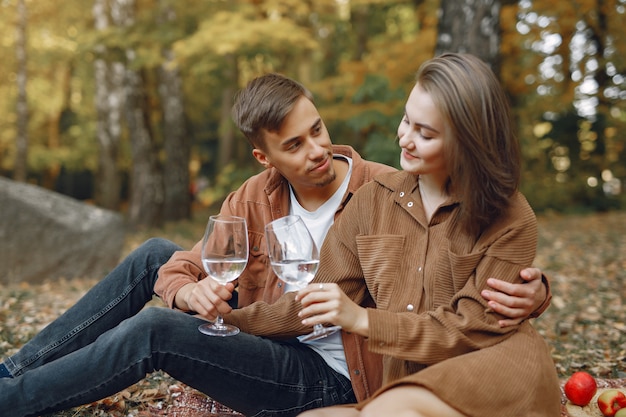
pixel 508 288
pixel 319 288
pixel 210 299
pixel 327 303
pixel 318 298
pixel 514 301
pixel 531 274
pixel 509 322
pixel 513 316
pixel 320 303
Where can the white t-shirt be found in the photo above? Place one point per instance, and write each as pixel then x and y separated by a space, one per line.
pixel 318 222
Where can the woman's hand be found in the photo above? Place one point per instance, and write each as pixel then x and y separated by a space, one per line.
pixel 207 298
pixel 327 303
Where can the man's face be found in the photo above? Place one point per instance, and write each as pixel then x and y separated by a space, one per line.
pixel 301 150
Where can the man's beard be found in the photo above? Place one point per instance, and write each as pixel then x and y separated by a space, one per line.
pixel 327 180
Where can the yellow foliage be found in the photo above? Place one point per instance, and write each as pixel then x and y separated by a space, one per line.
pixel 229 32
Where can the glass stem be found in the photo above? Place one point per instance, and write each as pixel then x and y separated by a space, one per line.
pixel 219 322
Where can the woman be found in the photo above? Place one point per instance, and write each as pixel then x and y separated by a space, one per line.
pixel 424 241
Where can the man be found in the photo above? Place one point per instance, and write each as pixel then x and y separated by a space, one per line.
pixel 107 341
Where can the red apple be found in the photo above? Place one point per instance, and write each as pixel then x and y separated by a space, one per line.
pixel 610 401
pixel 580 388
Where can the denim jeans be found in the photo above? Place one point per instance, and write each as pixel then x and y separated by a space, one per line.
pixel 108 341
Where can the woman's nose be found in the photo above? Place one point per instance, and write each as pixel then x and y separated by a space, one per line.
pixel 405 138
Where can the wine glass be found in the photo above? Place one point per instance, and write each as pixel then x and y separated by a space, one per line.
pixel 224 257
pixel 294 258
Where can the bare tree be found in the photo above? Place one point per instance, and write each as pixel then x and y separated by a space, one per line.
pixel 109 78
pixel 146 182
pixel 177 147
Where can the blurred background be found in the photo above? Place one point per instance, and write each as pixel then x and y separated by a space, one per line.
pixel 126 103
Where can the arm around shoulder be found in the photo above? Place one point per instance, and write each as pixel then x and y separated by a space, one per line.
pixel 546 302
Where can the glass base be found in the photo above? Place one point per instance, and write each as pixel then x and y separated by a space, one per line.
pixel 320 332
pixel 214 329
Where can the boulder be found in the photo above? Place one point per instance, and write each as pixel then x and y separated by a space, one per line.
pixel 45 236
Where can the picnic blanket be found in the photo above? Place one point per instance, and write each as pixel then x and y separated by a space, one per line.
pixel 191 403
pixel 179 400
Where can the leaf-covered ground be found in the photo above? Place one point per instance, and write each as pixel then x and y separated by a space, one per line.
pixel 584 255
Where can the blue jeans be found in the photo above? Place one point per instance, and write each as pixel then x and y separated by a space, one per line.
pixel 108 341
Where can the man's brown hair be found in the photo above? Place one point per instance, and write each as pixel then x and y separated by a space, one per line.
pixel 264 104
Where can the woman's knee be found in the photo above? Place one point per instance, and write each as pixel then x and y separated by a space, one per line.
pixel 409 401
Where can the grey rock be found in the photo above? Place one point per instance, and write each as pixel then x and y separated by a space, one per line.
pixel 45 236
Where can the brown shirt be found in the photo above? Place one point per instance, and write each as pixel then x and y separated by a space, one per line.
pixel 430 322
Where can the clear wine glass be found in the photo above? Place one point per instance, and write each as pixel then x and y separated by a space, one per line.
pixel 294 258
pixel 224 257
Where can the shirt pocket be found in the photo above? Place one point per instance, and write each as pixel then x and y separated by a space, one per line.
pixel 381 258
pixel 258 266
pixel 452 273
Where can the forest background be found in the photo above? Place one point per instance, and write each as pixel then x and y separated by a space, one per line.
pixel 126 103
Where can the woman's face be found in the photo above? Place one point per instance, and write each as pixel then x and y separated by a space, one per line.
pixel 421 135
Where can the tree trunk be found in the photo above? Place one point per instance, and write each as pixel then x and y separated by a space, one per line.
pixel 146 182
pixel 146 192
pixel 109 99
pixel 470 26
pixel 21 156
pixel 358 19
pixel 176 178
pixel 226 128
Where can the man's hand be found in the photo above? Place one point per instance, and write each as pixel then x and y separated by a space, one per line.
pixel 516 301
pixel 207 298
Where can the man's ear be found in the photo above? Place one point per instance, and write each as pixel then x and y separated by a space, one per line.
pixel 261 157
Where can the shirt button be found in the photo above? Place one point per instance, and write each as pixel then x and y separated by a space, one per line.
pixel 280 284
pixel 410 307
pixel 419 269
pixel 401 193
pixel 255 248
pixel 410 204
pixel 357 372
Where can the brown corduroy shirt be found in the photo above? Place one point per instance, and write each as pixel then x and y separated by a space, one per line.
pixel 430 323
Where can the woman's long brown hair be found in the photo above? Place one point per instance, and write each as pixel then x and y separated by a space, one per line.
pixel 481 150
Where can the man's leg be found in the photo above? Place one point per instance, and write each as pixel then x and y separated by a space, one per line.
pixel 121 294
pixel 250 374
